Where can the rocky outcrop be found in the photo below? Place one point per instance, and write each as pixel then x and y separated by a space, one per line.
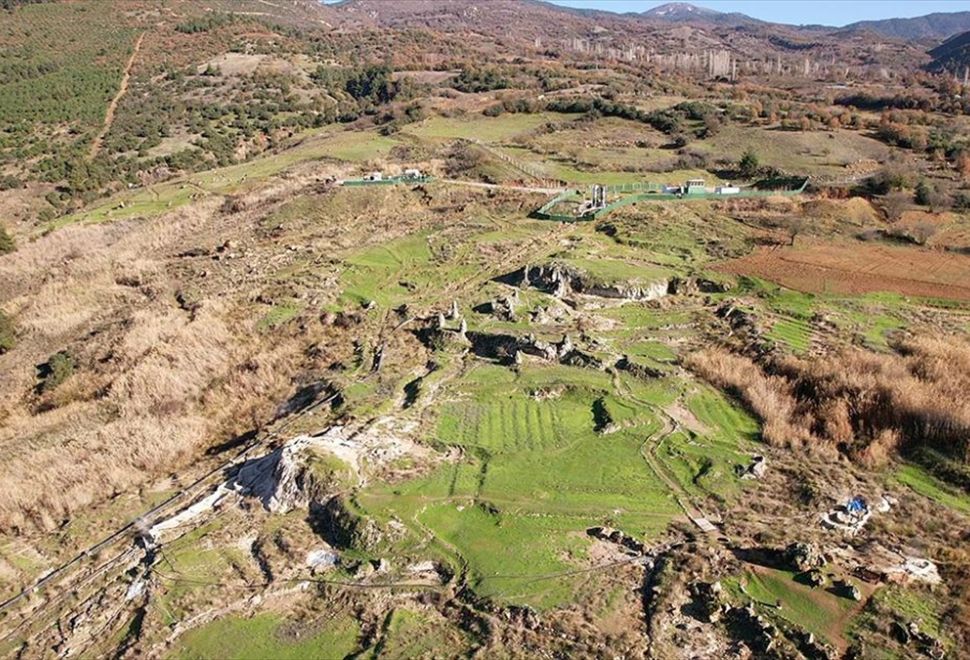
pixel 560 280
pixel 508 349
pixel 294 475
pixel 803 557
pixel 502 308
pixel 754 470
pixel 341 528
pixel 638 370
pixel 619 538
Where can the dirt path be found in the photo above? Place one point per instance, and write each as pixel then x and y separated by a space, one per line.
pixel 109 116
pixel 499 186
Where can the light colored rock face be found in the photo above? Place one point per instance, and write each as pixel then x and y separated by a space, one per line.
pixel 278 479
pixel 562 280
pixel 321 559
pixel 652 291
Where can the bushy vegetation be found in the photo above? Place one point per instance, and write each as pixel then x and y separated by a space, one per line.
pixel 8 337
pixel 480 80
pixel 748 165
pixel 204 23
pixel 6 241
pixel 699 118
pixel 58 368
pixel 868 405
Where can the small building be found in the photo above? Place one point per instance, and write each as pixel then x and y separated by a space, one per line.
pixel 412 173
pixel 727 190
pixel 374 176
pixel 695 187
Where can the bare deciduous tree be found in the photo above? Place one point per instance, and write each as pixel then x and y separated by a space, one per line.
pixel 895 204
pixel 923 232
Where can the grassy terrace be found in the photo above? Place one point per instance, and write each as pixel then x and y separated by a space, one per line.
pixel 486 129
pixel 268 636
pixel 534 474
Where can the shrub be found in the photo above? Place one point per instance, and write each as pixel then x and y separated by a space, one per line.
pixel 480 80
pixel 6 241
pixel 7 337
pixel 748 165
pixel 58 368
pixel 923 193
pixel 895 204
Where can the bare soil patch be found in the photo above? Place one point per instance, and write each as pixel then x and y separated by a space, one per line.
pixel 857 268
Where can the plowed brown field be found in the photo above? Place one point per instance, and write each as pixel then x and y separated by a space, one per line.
pixel 859 268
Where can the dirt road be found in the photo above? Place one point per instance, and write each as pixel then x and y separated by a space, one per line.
pixel 499 186
pixel 109 116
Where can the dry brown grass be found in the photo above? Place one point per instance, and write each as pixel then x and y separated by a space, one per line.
pixel 770 397
pixel 868 405
pixel 154 386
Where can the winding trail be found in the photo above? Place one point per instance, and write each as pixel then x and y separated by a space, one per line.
pixel 109 116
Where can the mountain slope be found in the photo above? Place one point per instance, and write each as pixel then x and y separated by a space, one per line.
pixel 952 55
pixel 484 15
pixel 932 26
pixel 682 12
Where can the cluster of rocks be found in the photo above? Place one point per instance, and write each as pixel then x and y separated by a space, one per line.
pixel 511 349
pixel 763 639
pixel 560 280
pixel 910 634
pixel 848 590
pixel 708 600
pixel 611 535
pixel 442 330
pixel 754 470
pixel 740 321
pixel 693 285
pixel 803 557
pixel 502 308
pixel 758 633
pixel 638 370
pixel 563 351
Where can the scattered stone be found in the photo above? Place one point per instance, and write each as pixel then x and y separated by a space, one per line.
pixel 708 596
pixel 640 371
pixel 815 578
pixel 803 557
pixel 756 470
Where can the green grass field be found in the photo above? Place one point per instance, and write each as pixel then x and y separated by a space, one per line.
pixel 486 129
pixel 819 611
pixel 412 634
pixel 920 481
pixel 268 636
pixel 534 474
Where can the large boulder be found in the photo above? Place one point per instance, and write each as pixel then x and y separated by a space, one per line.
pixel 803 557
